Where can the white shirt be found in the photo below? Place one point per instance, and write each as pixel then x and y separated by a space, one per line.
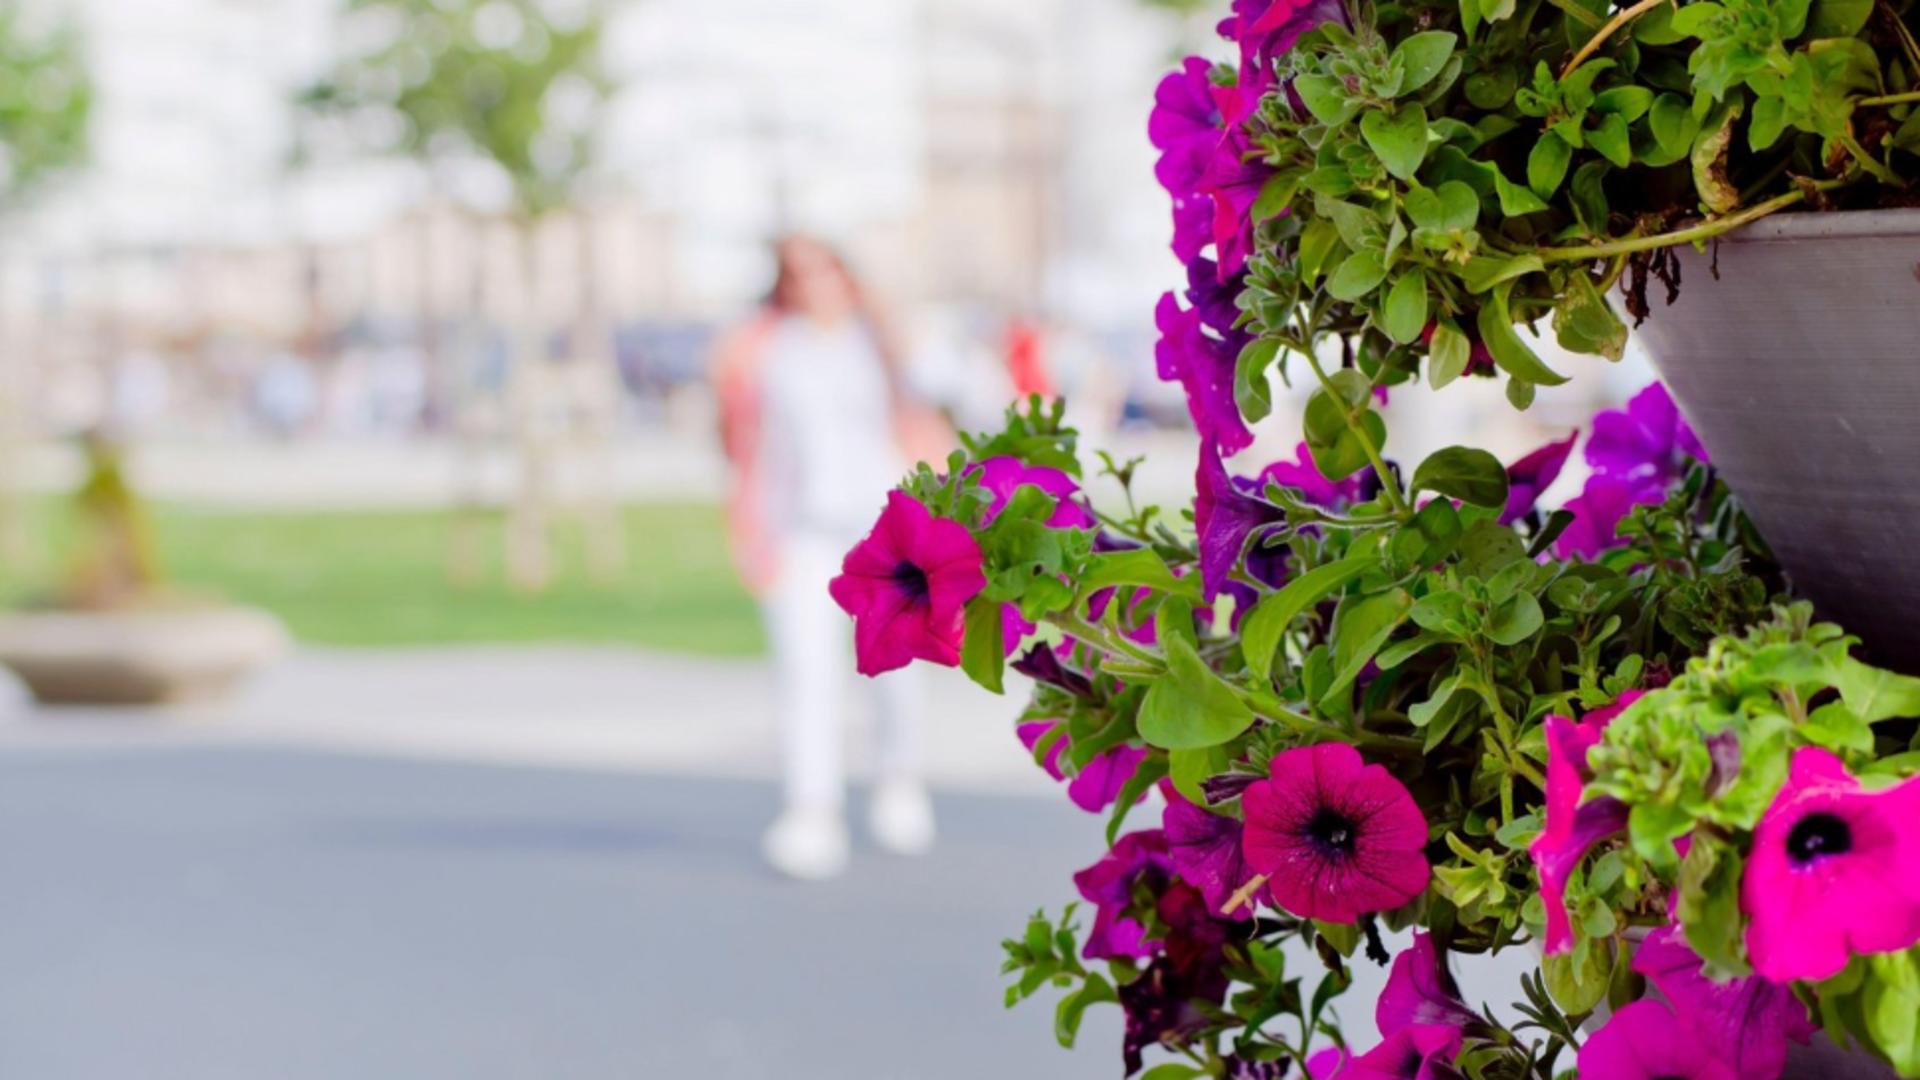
pixel 829 456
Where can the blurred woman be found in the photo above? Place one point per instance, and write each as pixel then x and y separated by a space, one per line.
pixel 815 422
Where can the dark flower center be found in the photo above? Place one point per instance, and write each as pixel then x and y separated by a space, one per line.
pixel 1817 836
pixel 912 581
pixel 1332 832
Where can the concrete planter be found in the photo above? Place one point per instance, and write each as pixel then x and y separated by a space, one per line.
pixel 1799 366
pixel 140 656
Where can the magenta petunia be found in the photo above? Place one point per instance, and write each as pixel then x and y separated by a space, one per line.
pixel 1338 838
pixel 1835 871
pixel 1646 1041
pixel 1206 852
pixel 1030 734
pixel 1098 783
pixel 1572 828
pixel 1647 442
pixel 1748 1020
pixel 1234 178
pixel 1164 1002
pixel 1327 1064
pixel 1420 990
pixel 1597 513
pixel 1204 369
pixel 1225 519
pixel 1138 857
pixel 1419 1052
pixel 1265 29
pixel 1532 475
pixel 1002 476
pixel 906 586
pixel 1192 226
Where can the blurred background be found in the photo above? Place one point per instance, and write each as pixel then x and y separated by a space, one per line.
pixel 383 701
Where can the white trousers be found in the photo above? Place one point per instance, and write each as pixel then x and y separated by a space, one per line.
pixel 812 643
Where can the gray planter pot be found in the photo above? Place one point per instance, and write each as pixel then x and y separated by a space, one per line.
pixel 138 657
pixel 1799 367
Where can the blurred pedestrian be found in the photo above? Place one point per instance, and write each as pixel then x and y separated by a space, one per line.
pixel 818 425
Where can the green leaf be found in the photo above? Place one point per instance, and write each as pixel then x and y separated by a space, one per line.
pixel 1672 124
pixel 1190 707
pixel 1276 195
pixel 1516 620
pixel 1189 768
pixel 1584 322
pixel 1511 354
pixel 1447 206
pixel 1423 714
pixel 1173 1070
pixel 1357 276
pixel 1261 632
pixel 1252 393
pixel 1326 98
pixel 1318 241
pixel 1399 140
pixel 1405 313
pixel 1709 157
pixel 1066 1016
pixel 1590 196
pixel 1148 773
pixel 1464 473
pixel 1839 728
pixel 1423 55
pixel 1874 694
pixel 1361 625
pixel 1611 140
pixel 1514 199
pixel 983 651
pixel 1656 27
pixel 1547 164
pixel 1629 103
pixel 1447 354
pixel 1488 547
pixel 1769 121
pixel 1483 272
pixel 1135 566
pixel 1838 18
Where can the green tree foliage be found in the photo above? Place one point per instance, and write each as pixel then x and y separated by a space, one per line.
pixel 46 99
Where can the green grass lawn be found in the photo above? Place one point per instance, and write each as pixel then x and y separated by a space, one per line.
pixel 382 578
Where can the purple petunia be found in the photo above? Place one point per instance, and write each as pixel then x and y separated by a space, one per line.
pixel 1002 476
pixel 1337 838
pixel 1532 475
pixel 1419 1052
pixel 1185 125
pixel 1646 442
pixel 906 586
pixel 1206 852
pixel 1234 177
pixel 1835 871
pixel 1099 782
pixel 1748 1020
pixel 1225 519
pixel 1163 1003
pixel 1204 368
pixel 1303 476
pixel 1597 513
pixel 1108 885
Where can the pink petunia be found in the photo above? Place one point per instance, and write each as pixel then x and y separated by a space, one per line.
pixel 1337 837
pixel 1646 1041
pixel 906 586
pixel 1835 871
pixel 1747 1020
pixel 1420 991
pixel 1137 858
pixel 1572 828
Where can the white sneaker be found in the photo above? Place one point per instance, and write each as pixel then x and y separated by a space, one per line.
pixel 901 817
pixel 807 843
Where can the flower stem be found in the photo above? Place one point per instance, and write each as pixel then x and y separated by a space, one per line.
pixel 1075 626
pixel 1888 99
pixel 1706 230
pixel 1351 414
pixel 1244 894
pixel 1621 18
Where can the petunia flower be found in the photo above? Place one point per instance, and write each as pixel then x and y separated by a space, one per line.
pixel 1646 1041
pixel 1532 475
pixel 1003 475
pixel 1042 664
pixel 1185 125
pixel 1646 442
pixel 1234 178
pixel 1192 226
pixel 1598 511
pixel 1098 783
pixel 1225 519
pixel 1835 871
pixel 1326 1064
pixel 1108 885
pixel 1265 29
pixel 1337 837
pixel 906 585
pixel 1572 828
pixel 1419 1052
pixel 1206 852
pixel 1421 991
pixel 1303 476
pixel 1747 1020
pixel 1204 369
pixel 1163 1003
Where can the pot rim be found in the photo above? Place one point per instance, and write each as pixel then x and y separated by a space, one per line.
pixel 1828 225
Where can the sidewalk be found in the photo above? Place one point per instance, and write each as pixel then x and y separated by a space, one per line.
pixel 590 708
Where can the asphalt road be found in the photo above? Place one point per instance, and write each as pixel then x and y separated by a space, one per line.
pixel 203 912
